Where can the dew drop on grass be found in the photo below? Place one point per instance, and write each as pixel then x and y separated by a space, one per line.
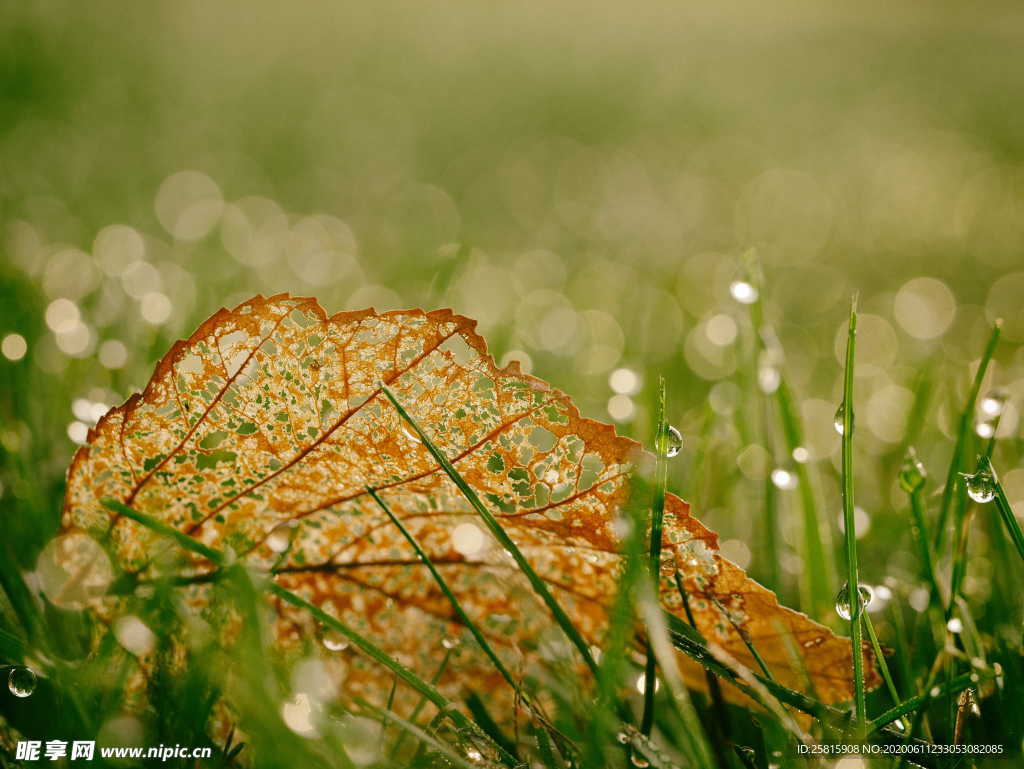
pixel 21 681
pixel 912 473
pixel 670 442
pixel 981 486
pixel 985 429
pixel 334 641
pixel 955 625
pixel 839 422
pixel 743 292
pixel 843 607
pixel 449 643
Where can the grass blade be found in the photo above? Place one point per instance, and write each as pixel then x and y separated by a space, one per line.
pixel 849 529
pixel 420 734
pixel 470 625
pixel 953 486
pixel 1005 511
pixel 368 648
pixel 817 587
pixel 654 554
pixel 538 585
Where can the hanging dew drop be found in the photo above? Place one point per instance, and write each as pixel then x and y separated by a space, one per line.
pixel 981 486
pixel 843 605
pixel 334 641
pixel 670 442
pixel 912 474
pixel 21 681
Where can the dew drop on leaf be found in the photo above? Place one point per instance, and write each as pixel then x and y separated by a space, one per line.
pixel 843 603
pixel 279 538
pixel 21 681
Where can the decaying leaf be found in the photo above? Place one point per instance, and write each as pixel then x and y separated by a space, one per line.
pixel 261 433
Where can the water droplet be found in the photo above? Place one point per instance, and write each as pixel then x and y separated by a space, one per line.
pixel 981 486
pixel 985 429
pixel 839 422
pixel 474 755
pixel 743 292
pixel 934 692
pixel 912 473
pixel 784 479
pixel 843 606
pixel 449 643
pixel 21 681
pixel 955 625
pixel 993 403
pixel 670 442
pixel 334 641
pixel 279 539
pixel 801 455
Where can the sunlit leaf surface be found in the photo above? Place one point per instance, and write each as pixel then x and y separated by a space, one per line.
pixel 261 433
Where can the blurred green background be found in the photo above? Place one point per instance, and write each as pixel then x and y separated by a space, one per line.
pixel 581 177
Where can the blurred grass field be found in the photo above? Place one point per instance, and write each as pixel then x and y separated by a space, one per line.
pixel 583 179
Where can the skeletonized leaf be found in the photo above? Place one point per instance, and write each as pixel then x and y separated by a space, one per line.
pixel 262 431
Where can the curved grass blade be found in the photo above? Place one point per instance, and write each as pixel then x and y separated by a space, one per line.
pixel 500 534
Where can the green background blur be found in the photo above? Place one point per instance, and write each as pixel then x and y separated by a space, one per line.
pixel 581 177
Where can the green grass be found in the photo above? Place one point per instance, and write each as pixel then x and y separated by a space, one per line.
pixel 585 179
pixel 669 725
